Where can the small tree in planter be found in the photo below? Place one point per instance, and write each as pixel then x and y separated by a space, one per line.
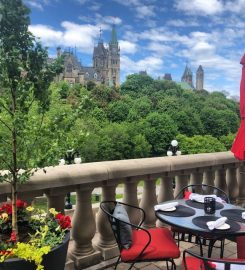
pixel 25 76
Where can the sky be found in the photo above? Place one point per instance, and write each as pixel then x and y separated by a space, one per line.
pixel 159 36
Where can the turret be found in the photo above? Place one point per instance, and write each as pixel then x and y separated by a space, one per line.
pixel 199 78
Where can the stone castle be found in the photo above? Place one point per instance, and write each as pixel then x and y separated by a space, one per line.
pixel 105 69
pixel 187 77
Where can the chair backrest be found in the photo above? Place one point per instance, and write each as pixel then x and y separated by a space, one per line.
pixel 117 224
pixel 203 189
pixel 193 261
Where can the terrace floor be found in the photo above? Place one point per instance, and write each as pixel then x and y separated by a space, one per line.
pixel 230 252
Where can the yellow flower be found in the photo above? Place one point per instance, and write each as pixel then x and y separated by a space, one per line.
pixel 53 211
pixel 4 216
pixel 29 208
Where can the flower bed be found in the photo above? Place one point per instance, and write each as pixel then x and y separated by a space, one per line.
pixel 39 232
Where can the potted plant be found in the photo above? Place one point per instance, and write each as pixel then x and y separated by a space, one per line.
pixel 43 238
pixel 25 77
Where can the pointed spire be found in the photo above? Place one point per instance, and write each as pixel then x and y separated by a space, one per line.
pixel 113 35
pixel 100 37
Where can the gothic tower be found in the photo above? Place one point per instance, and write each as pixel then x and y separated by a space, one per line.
pixel 199 78
pixel 187 76
pixel 114 60
pixel 100 61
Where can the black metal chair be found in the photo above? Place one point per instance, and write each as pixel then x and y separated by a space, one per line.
pixel 154 244
pixel 181 235
pixel 197 262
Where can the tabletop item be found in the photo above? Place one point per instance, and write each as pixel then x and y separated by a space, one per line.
pixel 234 214
pixel 201 222
pixel 209 205
pixel 198 205
pixel 200 198
pixel 217 223
pixel 166 206
pixel 181 211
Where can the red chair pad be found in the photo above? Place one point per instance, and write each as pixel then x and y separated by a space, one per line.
pixel 193 263
pixel 162 246
pixel 240 247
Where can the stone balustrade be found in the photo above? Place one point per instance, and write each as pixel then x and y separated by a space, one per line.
pixel 219 169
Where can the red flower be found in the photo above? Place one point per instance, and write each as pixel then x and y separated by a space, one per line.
pixel 13 237
pixel 6 207
pixel 64 221
pixel 21 204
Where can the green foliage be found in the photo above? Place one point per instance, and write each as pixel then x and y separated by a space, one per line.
pixel 227 140
pixel 199 144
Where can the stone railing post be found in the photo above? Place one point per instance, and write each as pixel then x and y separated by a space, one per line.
pixel 241 185
pixel 130 197
pixel 106 243
pixel 83 230
pixel 220 179
pixel 196 179
pixel 165 193
pixel 208 177
pixel 231 176
pixel 180 182
pixel 56 199
pixel 148 201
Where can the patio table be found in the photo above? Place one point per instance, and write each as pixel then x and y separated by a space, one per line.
pixel 190 217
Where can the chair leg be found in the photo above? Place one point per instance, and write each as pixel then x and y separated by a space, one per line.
pixel 117 262
pixel 131 266
pixel 210 247
pixel 199 240
pixel 222 247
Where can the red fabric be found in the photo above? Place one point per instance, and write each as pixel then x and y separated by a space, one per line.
pixel 193 263
pixel 162 245
pixel 187 194
pixel 240 247
pixel 238 147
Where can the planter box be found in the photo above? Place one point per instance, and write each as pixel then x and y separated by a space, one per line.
pixel 54 260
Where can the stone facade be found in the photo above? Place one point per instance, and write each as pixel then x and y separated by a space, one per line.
pixel 105 69
pixel 187 77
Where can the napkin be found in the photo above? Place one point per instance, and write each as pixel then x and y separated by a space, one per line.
pixel 200 198
pixel 217 223
pixel 243 215
pixel 165 206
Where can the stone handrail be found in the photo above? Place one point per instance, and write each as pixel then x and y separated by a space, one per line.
pixel 219 169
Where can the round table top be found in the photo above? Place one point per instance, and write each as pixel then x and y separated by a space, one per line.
pixel 186 222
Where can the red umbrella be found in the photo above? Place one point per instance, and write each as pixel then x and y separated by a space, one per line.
pixel 238 147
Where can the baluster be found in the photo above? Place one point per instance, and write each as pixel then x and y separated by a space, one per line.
pixel 83 231
pixel 241 185
pixel 56 199
pixel 208 177
pixel 180 182
pixel 106 243
pixel 165 193
pixel 196 179
pixel 232 183
pixel 148 201
pixel 130 196
pixel 220 179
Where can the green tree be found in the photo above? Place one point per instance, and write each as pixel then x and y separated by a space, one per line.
pixel 199 144
pixel 159 130
pixel 25 76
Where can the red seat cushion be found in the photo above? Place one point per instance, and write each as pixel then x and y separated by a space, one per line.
pixel 187 195
pixel 240 247
pixel 162 245
pixel 193 263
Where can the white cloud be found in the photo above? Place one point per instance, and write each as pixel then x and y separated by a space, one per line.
pixel 182 23
pixel 34 4
pixel 127 47
pixel 159 48
pixel 151 64
pixel 81 36
pixel 200 7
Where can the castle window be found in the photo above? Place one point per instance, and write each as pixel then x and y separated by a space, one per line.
pixel 69 68
pixel 87 75
pixel 95 76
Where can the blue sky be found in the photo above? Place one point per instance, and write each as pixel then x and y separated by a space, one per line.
pixel 159 36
